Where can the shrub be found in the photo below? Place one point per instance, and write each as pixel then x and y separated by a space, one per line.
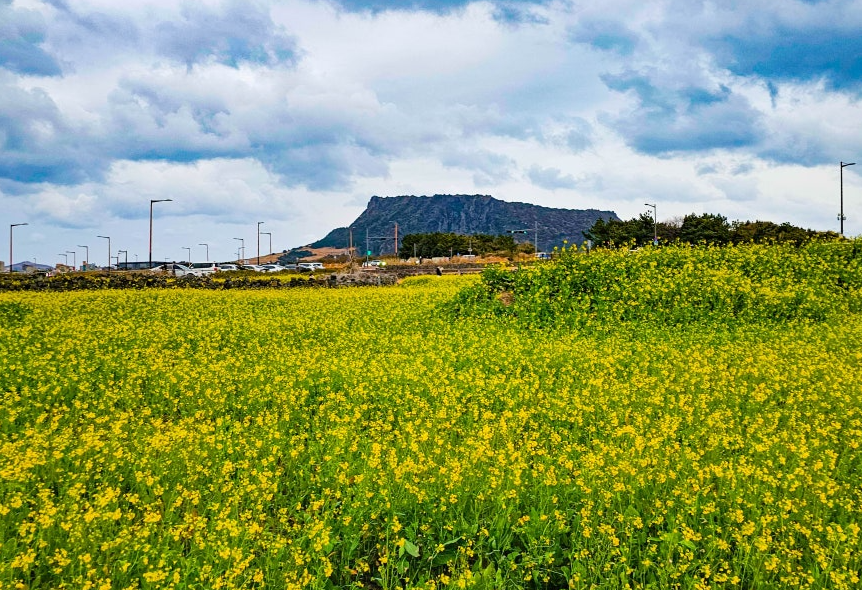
pixel 674 285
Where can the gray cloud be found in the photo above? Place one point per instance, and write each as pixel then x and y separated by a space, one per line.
pixel 551 178
pixel 667 119
pixel 240 32
pixel 37 144
pixel 487 167
pixel 605 35
pixel 22 34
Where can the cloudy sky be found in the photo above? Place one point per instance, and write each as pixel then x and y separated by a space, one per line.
pixel 295 112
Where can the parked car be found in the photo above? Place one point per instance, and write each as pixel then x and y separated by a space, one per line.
pixel 272 268
pixel 179 270
pixel 311 266
pixel 204 268
pixel 227 267
pixel 368 263
pixel 289 266
pixel 253 267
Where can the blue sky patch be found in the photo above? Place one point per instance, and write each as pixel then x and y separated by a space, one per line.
pixel 802 55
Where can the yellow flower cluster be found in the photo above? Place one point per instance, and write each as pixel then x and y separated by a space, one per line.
pixel 362 438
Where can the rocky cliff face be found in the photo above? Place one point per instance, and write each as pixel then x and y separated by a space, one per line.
pixel 463 214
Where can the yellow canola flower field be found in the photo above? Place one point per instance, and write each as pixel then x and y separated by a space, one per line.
pixel 365 438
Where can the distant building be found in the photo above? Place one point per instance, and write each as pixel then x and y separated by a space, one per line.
pixel 28 266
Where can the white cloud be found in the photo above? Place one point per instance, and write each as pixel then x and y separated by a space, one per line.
pixel 315 109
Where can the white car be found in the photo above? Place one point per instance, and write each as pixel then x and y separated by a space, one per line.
pixel 226 267
pixel 204 268
pixel 312 266
pixel 272 268
pixel 368 263
pixel 179 270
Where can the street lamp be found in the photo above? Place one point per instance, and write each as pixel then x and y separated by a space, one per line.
pixel 242 246
pixel 126 261
pixel 13 225
pixel 190 253
pixel 268 233
pixel 151 225
pixel 258 242
pixel 66 256
pixel 526 232
pixel 74 259
pixel 841 217
pixel 654 223
pixel 208 251
pixel 109 250
pixel 86 254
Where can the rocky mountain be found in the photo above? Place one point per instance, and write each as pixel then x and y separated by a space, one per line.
pixel 463 214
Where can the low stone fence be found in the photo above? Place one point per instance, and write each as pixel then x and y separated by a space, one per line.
pixel 90 281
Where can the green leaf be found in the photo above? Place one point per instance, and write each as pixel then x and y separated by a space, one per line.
pixel 688 544
pixel 411 548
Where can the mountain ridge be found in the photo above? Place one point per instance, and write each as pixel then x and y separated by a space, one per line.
pixel 462 214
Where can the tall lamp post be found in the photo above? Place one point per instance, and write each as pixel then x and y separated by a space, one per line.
pixel 208 251
pixel 11 226
pixel 125 261
pixel 258 241
pixel 74 259
pixel 151 225
pixel 841 217
pixel 242 242
pixel 268 233
pixel 86 254
pixel 109 250
pixel 190 253
pixel 654 223
pixel 66 257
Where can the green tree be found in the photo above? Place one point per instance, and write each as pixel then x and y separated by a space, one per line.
pixel 615 233
pixel 708 228
pixel 767 231
pixel 429 245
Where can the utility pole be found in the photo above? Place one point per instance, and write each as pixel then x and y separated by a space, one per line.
pixel 11 227
pixel 258 242
pixel 654 223
pixel 242 241
pixel 536 245
pixel 151 230
pixel 86 254
pixel 841 217
pixel 396 239
pixel 109 248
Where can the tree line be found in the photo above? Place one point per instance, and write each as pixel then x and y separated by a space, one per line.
pixel 433 244
pixel 695 229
